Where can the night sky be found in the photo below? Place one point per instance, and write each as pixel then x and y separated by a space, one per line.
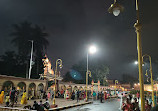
pixel 74 24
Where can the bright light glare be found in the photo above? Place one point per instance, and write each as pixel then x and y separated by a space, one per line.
pixel 92 49
pixel 136 62
pixel 116 11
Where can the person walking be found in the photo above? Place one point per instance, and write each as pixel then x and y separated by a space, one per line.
pixel 138 95
pixel 147 106
pixel 121 101
pixel 24 99
pixel 12 96
pixel 135 105
pixel 1 97
pixel 41 106
pixel 128 106
pixel 48 95
pixel 101 97
pixel 46 104
pixel 78 95
pixel 73 95
pixel 7 97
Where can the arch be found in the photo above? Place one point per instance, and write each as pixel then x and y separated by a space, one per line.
pixel 69 88
pixel 32 90
pixel 7 85
pixel 63 87
pixel 40 88
pixel 21 86
pixel 75 88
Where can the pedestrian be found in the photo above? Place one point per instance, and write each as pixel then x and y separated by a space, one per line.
pixel 41 93
pixel 1 97
pixel 16 97
pixel 78 95
pixel 121 101
pixel 48 95
pixel 98 95
pixel 52 94
pixel 130 97
pixel 84 94
pixel 35 106
pixel 105 96
pixel 101 97
pixel 24 99
pixel 128 106
pixel 41 106
pixel 94 94
pixel 7 100
pixel 147 106
pixel 46 104
pixel 62 93
pixel 138 95
pixel 12 96
pixel 135 105
pixel 73 95
pixel 67 94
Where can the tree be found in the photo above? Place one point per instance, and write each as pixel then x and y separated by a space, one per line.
pixel 99 71
pixel 22 34
pixel 11 64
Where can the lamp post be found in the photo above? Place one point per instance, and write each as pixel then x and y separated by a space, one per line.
pixel 151 78
pixel 58 62
pixel 31 62
pixel 117 8
pixel 91 50
pixel 116 82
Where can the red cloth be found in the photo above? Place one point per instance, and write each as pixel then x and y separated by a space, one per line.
pixel 137 95
pixel 105 95
pixel 128 107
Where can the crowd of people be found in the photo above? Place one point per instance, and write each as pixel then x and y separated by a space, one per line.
pixel 131 103
pixel 127 103
pixel 11 97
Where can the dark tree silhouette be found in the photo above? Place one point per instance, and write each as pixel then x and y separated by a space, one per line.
pixel 11 64
pixel 99 71
pixel 22 34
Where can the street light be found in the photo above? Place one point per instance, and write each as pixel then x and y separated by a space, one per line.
pixel 137 26
pixel 136 62
pixel 115 8
pixel 151 78
pixel 58 62
pixel 92 50
pixel 116 82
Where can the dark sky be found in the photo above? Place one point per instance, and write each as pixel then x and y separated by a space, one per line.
pixel 74 24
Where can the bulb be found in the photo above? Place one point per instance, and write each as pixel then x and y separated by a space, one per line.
pixel 92 49
pixel 116 11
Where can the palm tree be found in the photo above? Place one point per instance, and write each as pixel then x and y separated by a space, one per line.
pixel 24 32
pixel 39 38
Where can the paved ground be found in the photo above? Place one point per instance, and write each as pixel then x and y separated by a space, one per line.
pixel 109 105
pixel 59 101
